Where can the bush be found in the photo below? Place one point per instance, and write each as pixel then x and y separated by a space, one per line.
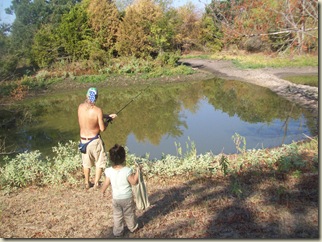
pixel 32 169
pixel 253 44
pixel 26 169
pixel 168 58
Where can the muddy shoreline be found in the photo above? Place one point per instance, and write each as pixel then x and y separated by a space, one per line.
pixel 271 78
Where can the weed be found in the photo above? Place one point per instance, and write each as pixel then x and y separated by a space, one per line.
pixel 296 174
pixel 236 188
pixel 238 140
pixel 224 164
pixel 19 92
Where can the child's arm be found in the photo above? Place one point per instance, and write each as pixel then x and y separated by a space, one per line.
pixel 134 177
pixel 105 185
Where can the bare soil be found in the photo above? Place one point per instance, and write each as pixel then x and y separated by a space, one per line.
pixel 255 204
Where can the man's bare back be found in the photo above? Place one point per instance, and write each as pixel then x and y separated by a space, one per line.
pixel 90 119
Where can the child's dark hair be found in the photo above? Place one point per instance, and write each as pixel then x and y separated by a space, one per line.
pixel 117 154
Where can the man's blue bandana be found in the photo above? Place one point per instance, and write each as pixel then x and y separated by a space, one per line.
pixel 92 94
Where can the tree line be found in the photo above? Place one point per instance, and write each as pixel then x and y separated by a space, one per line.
pixel 47 32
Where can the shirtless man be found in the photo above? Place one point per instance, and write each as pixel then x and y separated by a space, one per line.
pixel 91 123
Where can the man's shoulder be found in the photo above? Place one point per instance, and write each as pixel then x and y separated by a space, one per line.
pixel 81 105
pixel 85 106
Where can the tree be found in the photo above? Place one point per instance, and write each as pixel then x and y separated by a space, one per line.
pixel 45 48
pixel 8 60
pixel 283 23
pixel 104 20
pixel 301 21
pixel 163 32
pixel 31 15
pixel 210 35
pixel 75 35
pixel 134 37
pixel 188 27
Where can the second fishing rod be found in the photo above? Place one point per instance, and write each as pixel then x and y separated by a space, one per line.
pixel 109 119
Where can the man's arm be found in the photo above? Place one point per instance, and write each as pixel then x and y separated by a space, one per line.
pixel 101 123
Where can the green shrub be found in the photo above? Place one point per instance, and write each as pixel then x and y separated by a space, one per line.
pixel 64 164
pixel 33 169
pixel 25 169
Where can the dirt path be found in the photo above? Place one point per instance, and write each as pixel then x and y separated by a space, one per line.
pixel 266 77
pixel 204 207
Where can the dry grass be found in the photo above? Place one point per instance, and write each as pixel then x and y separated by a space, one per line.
pixel 252 205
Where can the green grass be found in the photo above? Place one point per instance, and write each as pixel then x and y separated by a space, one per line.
pixel 309 80
pixel 259 60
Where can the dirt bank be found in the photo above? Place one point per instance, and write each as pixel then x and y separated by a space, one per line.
pixel 270 206
pixel 271 78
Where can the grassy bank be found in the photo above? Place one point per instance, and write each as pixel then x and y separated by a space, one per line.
pixel 259 60
pixel 33 169
pixel 81 73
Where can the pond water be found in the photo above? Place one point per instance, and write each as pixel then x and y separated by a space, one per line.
pixel 205 114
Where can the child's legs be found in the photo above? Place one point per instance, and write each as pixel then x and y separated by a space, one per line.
pixel 129 214
pixel 118 218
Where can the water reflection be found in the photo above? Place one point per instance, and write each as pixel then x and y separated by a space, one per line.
pixel 207 112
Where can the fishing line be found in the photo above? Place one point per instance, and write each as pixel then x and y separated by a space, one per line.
pixel 109 119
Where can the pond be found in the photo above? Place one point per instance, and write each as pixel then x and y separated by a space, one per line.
pixel 204 114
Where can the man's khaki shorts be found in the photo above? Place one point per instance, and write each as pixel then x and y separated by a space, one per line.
pixel 95 153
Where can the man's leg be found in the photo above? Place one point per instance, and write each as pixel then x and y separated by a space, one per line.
pixel 98 173
pixel 87 172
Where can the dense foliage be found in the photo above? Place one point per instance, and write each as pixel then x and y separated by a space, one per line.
pixel 48 33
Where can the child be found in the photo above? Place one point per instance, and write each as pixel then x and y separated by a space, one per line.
pixel 121 178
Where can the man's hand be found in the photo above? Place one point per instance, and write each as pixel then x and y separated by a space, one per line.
pixel 109 116
pixel 113 115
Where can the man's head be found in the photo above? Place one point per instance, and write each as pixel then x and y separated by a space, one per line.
pixel 117 154
pixel 92 94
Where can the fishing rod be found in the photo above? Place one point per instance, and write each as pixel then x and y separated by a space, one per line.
pixel 109 119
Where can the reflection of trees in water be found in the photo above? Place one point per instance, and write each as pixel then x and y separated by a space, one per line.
pixel 156 113
pixel 252 104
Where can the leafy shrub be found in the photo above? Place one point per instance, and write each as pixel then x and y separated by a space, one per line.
pixel 26 169
pixel 64 164
pixel 168 58
pixel 291 159
pixel 33 169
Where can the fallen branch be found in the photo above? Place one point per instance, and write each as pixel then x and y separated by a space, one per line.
pixel 310 138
